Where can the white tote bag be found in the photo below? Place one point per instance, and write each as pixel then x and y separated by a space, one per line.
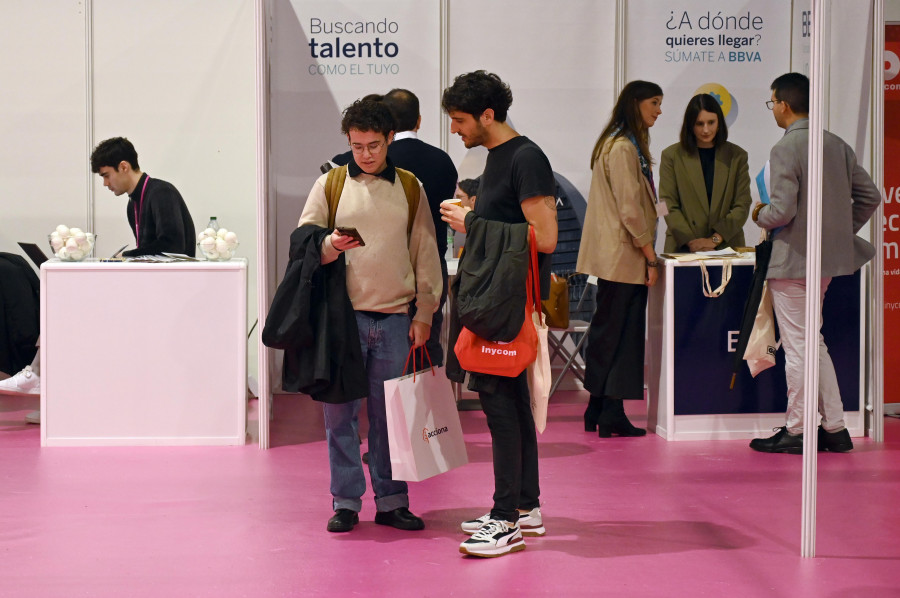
pixel 761 346
pixel 539 377
pixel 424 434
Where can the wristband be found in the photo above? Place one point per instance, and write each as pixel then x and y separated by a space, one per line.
pixel 756 211
pixel 653 264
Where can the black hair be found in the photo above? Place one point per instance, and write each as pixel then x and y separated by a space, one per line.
pixel 793 90
pixel 469 187
pixel 111 152
pixel 367 115
pixel 404 105
pixel 705 102
pixel 475 92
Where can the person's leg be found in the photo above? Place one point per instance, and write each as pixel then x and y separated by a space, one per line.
pixel 506 444
pixel 830 405
pixel 348 482
pixel 388 349
pixel 26 381
pixel 789 303
pixel 530 487
pixel 604 336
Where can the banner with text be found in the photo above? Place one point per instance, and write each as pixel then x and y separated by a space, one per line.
pixel 733 54
pixel 325 54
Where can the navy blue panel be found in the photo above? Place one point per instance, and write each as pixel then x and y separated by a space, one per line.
pixel 703 362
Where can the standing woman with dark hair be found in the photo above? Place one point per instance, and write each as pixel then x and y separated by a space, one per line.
pixel 705 183
pixel 617 248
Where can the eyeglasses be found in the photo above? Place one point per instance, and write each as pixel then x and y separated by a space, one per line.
pixel 374 147
pixel 771 103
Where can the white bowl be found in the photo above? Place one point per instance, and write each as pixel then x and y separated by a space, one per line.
pixel 216 256
pixel 72 248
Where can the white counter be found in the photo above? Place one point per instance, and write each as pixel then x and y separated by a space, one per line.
pixel 691 341
pixel 143 354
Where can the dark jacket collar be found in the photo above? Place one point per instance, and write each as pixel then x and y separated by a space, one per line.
pixel 389 172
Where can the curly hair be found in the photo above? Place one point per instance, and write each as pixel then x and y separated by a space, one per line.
pixel 473 93
pixel 367 115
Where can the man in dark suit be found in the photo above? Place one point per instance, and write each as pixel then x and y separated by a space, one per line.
pixel 435 169
pixel 849 198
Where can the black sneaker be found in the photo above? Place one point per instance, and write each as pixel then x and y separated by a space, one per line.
pixel 780 442
pixel 836 442
pixel 343 520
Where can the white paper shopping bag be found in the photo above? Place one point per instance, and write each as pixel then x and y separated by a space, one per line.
pixel 424 434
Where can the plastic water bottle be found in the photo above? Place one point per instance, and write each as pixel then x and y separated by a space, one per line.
pixel 213 223
pixel 449 254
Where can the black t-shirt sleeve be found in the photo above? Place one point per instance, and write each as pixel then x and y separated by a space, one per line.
pixel 532 174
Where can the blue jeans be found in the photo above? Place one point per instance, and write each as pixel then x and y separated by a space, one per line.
pixel 385 345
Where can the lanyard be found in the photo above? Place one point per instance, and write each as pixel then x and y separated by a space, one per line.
pixel 138 214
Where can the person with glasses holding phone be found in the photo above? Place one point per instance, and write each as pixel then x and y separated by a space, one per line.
pixel 383 277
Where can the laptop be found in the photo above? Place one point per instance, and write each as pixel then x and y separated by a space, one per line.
pixel 34 252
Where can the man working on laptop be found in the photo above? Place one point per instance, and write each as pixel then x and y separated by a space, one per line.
pixel 158 217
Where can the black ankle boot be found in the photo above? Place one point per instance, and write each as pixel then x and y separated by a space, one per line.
pixel 592 413
pixel 614 421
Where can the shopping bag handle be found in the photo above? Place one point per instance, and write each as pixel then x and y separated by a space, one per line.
pixel 412 353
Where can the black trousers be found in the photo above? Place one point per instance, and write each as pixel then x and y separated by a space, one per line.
pixel 614 357
pixel 514 443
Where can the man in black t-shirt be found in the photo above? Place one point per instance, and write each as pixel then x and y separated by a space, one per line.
pixel 517 186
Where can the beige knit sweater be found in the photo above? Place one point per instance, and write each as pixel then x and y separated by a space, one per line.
pixel 387 273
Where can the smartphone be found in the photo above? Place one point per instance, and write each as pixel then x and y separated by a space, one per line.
pixel 351 231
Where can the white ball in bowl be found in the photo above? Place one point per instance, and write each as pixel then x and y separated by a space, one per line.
pixel 63 230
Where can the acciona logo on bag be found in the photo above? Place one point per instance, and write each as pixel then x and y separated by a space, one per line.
pixel 428 434
pixel 493 351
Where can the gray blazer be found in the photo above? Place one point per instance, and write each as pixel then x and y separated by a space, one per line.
pixel 849 198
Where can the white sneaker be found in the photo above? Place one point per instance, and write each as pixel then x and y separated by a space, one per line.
pixel 530 522
pixel 33 417
pixel 495 538
pixel 25 382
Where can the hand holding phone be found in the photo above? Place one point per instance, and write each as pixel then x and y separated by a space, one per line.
pixel 350 231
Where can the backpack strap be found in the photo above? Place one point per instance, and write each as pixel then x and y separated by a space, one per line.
pixel 411 188
pixel 334 186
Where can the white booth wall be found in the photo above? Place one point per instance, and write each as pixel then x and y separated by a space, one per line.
pixel 177 79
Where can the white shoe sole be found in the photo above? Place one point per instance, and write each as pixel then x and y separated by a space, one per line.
pixel 485 552
pixel 533 532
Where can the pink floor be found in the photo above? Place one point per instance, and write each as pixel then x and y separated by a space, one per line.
pixel 625 517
